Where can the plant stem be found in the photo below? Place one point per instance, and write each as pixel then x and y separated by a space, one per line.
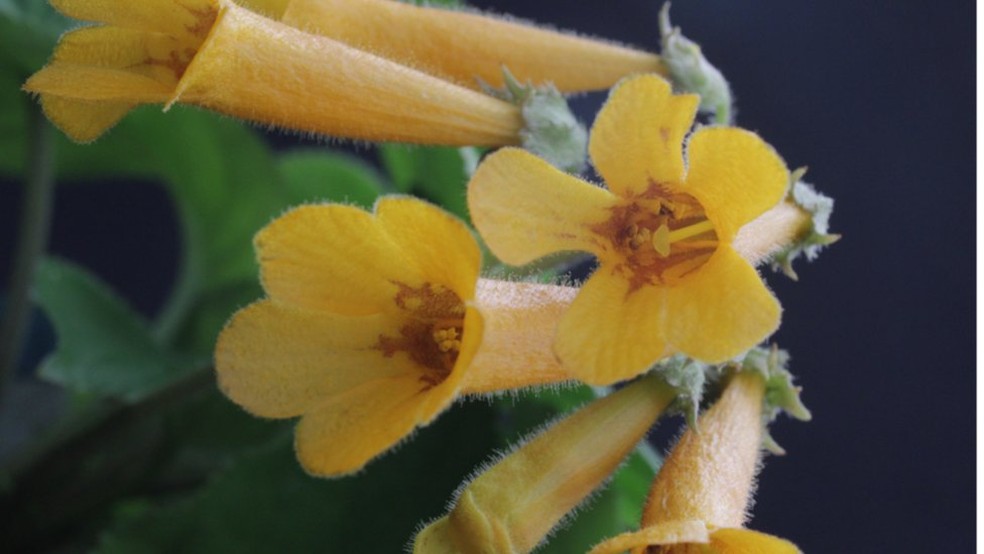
pixel 32 239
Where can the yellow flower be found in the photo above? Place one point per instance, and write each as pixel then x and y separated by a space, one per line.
pixel 372 327
pixel 511 506
pixel 699 499
pixel 216 54
pixel 465 46
pixel 668 279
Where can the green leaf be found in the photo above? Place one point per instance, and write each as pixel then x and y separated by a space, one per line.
pixel 28 31
pixel 104 348
pixel 437 173
pixel 266 503
pixel 320 175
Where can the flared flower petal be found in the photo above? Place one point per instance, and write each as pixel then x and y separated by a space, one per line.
pixel 721 310
pixel 278 361
pixel 735 175
pixel 334 258
pixel 350 428
pixel 637 137
pixel 746 541
pixel 434 241
pixel 526 209
pixel 670 532
pixel 182 19
pixel 370 330
pixel 610 334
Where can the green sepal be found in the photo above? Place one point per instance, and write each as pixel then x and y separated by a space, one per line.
pixel 688 377
pixel 691 72
pixel 781 395
pixel 550 129
pixel 819 206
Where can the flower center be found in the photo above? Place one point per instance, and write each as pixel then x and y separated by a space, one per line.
pixel 659 236
pixel 432 332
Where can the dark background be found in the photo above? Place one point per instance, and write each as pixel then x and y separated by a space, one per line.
pixel 878 99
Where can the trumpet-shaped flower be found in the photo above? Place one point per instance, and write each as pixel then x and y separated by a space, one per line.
pixel 668 279
pixel 468 47
pixel 511 506
pixel 371 328
pixel 699 499
pixel 219 55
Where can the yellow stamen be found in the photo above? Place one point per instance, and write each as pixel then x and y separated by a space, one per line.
pixel 447 339
pixel 663 237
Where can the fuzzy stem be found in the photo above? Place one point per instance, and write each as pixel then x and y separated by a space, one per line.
pixel 33 236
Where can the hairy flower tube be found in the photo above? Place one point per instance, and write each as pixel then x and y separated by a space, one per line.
pixel 511 506
pixel 669 279
pixel 218 55
pixel 372 327
pixel 699 499
pixel 468 47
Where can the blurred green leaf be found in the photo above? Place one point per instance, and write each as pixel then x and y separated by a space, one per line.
pixel 104 348
pixel 437 173
pixel 28 31
pixel 266 503
pixel 324 176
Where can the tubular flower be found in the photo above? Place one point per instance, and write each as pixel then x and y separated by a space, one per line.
pixel 218 55
pixel 370 329
pixel 699 499
pixel 464 46
pixel 513 505
pixel 668 279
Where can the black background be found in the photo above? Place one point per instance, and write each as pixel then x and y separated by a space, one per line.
pixel 877 98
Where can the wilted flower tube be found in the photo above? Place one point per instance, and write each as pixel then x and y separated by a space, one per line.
pixel 514 504
pixel 465 46
pixel 216 54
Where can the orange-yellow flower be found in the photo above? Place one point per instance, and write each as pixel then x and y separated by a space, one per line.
pixel 699 499
pixel 467 46
pixel 668 279
pixel 372 327
pixel 216 54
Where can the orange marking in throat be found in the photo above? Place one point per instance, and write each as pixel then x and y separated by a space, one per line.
pixel 433 332
pixel 656 234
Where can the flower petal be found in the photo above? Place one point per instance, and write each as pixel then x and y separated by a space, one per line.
pixel 721 310
pixel 735 175
pixel 276 361
pixel 83 120
pixel 609 334
pixel 188 19
pixel 637 136
pixel 525 208
pixel 335 258
pixel 81 82
pixel 439 244
pixel 746 541
pixel 348 430
pixel 670 532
